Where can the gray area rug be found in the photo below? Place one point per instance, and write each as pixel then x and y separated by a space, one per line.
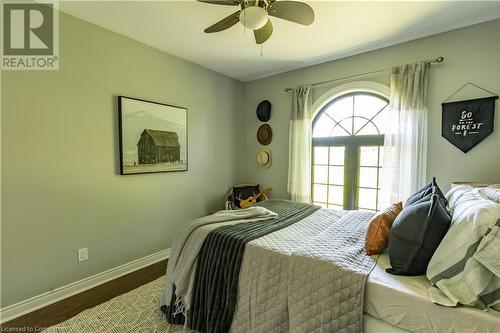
pixel 136 311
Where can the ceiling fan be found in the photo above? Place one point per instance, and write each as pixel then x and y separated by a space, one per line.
pixel 254 15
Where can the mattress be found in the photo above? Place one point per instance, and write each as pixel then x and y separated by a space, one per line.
pixel 403 301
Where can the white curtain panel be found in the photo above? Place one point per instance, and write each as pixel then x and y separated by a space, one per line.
pixel 299 158
pixel 405 145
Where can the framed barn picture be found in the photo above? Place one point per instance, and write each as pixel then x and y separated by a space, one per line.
pixel 153 136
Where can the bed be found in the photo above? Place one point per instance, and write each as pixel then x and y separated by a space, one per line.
pixel 310 275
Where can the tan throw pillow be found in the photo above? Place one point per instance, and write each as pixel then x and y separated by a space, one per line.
pixel 377 235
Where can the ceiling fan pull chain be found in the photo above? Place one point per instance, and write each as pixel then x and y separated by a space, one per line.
pixel 261 48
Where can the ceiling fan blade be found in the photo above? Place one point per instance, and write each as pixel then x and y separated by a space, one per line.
pixel 294 11
pixel 222 2
pixel 263 34
pixel 225 23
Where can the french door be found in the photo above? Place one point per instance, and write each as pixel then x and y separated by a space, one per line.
pixel 346 172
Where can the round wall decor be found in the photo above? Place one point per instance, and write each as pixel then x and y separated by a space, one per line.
pixel 264 158
pixel 264 111
pixel 264 134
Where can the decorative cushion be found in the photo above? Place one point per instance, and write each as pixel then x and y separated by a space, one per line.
pixel 244 192
pixel 429 196
pixel 377 235
pixel 415 235
pixel 426 191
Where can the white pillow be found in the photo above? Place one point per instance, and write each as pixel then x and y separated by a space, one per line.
pixel 463 268
pixel 491 192
pixel 453 196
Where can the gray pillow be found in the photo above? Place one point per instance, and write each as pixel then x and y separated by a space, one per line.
pixel 416 234
pixel 429 194
pixel 426 191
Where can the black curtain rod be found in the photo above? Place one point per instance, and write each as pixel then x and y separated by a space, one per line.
pixel 429 61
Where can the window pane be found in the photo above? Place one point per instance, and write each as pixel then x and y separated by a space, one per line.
pixel 368 177
pixel 367 198
pixel 337 207
pixel 339 131
pixel 379 177
pixel 358 123
pixel 320 155
pixel 319 192
pixel 320 174
pixel 383 199
pixel 365 129
pixel 367 106
pixel 346 125
pixel 336 195
pixel 321 204
pixel 341 108
pixel 336 176
pixel 384 121
pixel 337 155
pixel 323 126
pixel 368 156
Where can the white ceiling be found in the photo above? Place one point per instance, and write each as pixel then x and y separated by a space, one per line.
pixel 340 29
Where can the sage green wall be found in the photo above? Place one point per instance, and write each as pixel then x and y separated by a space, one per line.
pixel 60 184
pixel 471 54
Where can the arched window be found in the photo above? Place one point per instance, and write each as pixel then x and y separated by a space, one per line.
pixel 348 133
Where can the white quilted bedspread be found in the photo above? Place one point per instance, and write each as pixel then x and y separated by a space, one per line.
pixel 308 277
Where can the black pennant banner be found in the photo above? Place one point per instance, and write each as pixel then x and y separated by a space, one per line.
pixel 466 123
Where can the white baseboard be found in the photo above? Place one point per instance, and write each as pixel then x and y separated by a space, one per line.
pixel 37 302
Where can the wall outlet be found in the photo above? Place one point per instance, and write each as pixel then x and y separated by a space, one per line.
pixel 83 254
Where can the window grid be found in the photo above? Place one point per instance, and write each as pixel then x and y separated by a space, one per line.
pixel 329 203
pixel 352 143
pixel 333 184
pixel 377 187
pixel 329 165
pixel 370 121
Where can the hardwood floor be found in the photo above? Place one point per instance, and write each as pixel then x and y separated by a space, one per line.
pixel 60 311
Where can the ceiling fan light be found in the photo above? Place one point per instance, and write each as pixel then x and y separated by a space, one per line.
pixel 253 17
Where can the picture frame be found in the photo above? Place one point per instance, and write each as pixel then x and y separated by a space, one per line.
pixel 153 136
